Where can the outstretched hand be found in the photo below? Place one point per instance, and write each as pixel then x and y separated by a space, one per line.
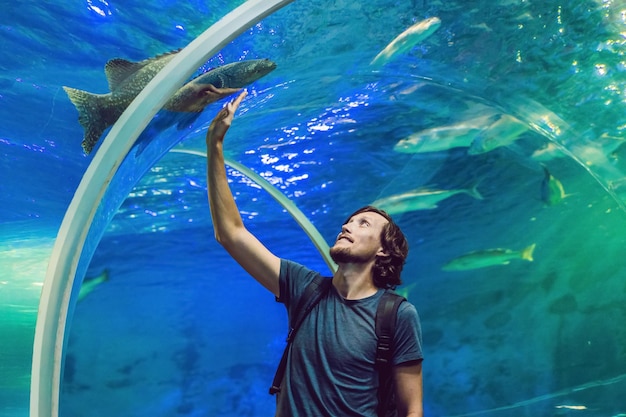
pixel 224 118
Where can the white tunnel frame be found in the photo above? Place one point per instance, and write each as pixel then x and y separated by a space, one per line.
pixel 52 318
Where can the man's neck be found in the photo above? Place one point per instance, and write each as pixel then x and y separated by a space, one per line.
pixel 354 281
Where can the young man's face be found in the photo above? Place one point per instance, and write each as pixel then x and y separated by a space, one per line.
pixel 359 240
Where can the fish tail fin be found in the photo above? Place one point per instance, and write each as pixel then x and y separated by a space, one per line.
pixel 473 191
pixel 89 116
pixel 527 253
pixel 378 61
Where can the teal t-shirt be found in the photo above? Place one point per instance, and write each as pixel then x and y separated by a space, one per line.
pixel 331 367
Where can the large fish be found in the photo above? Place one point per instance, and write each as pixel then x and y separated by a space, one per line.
pixel 443 138
pixel 503 132
pixel 96 112
pixel 407 40
pixel 488 257
pixel 420 199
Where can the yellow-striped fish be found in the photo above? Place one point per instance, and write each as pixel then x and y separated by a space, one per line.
pixel 421 199
pixel 552 191
pixel 488 257
pixel 91 283
pixel 407 40
pixel 503 132
pixel 443 138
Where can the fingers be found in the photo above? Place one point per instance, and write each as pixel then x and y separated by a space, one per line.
pixel 224 91
pixel 227 113
pixel 233 105
pixel 224 118
pixel 210 88
pixel 240 97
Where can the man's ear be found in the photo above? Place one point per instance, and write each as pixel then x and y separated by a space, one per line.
pixel 382 253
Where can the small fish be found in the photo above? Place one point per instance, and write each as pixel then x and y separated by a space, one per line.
pixel 406 290
pixel 504 131
pixel 603 148
pixel 571 407
pixel 421 199
pixel 90 284
pixel 488 257
pixel 552 191
pixel 548 152
pixel 96 112
pixel 407 40
pixel 443 138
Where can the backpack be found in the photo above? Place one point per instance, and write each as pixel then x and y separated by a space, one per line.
pixel 385 324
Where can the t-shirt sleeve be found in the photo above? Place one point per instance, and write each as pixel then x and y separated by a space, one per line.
pixel 408 338
pixel 293 280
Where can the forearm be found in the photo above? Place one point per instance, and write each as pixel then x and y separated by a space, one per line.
pixel 228 226
pixel 224 211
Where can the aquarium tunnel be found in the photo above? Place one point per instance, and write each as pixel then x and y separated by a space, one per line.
pixel 493 133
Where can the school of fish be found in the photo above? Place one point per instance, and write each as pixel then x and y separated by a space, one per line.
pixel 478 133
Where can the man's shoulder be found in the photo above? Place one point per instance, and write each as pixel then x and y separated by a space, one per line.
pixel 406 309
pixel 407 305
pixel 294 278
pixel 289 267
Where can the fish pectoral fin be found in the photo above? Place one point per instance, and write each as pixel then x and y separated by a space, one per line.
pixel 187 120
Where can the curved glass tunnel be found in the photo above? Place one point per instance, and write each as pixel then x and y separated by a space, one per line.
pixel 167 325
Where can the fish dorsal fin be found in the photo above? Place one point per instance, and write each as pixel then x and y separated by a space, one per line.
pixel 118 70
pixel 164 55
pixel 430 188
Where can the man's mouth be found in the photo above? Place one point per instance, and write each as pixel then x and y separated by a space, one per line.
pixel 344 237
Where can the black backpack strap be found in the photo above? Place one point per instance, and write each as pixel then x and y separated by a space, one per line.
pixel 386 316
pixel 312 294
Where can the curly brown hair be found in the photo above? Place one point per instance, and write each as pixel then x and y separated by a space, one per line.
pixel 387 269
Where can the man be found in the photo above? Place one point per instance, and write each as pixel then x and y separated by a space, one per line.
pixel 331 369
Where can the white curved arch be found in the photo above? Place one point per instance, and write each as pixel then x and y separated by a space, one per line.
pixel 292 209
pixel 58 285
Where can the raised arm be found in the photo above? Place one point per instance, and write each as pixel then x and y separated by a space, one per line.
pixel 229 229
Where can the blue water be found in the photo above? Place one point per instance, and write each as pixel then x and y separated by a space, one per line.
pixel 180 330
